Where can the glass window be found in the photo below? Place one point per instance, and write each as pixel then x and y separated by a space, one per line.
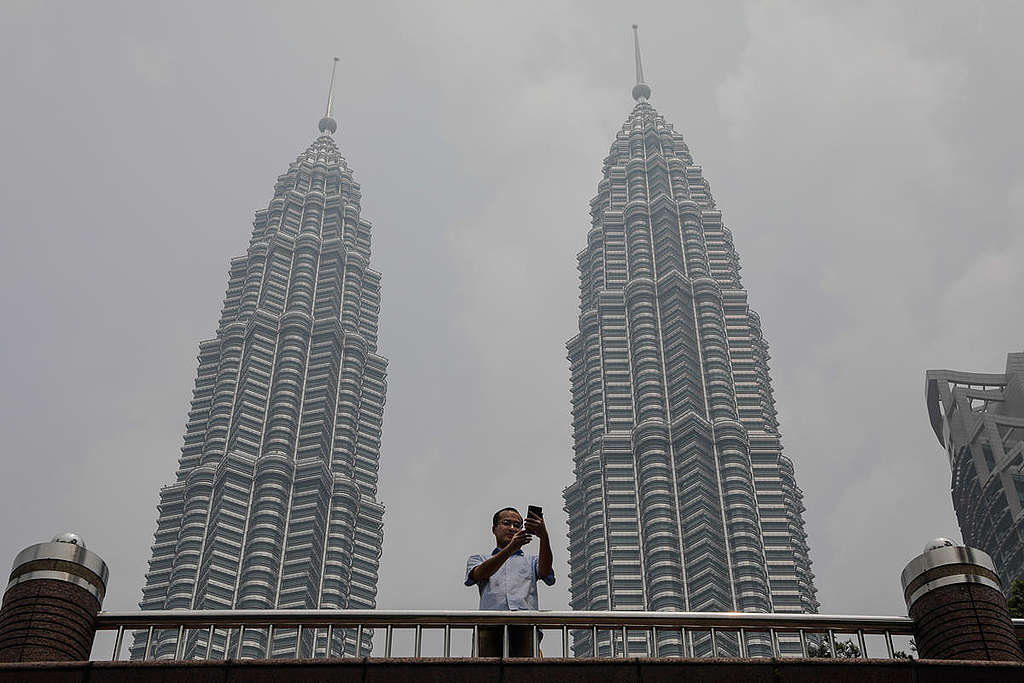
pixel 990 460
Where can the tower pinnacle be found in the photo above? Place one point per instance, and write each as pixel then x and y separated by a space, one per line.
pixel 327 123
pixel 641 91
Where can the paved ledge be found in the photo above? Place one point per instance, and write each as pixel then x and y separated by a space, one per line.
pixel 459 670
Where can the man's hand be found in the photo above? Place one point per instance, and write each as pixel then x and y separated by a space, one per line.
pixel 521 538
pixel 535 525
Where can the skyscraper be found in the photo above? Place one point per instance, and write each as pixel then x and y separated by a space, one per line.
pixel 683 499
pixel 274 504
pixel 979 419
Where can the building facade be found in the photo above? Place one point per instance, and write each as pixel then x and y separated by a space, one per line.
pixel 274 504
pixel 979 419
pixel 682 497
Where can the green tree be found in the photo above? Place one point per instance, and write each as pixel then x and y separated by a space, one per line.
pixel 844 650
pixel 903 654
pixel 1016 600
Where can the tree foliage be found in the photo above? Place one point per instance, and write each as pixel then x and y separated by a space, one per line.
pixel 1016 600
pixel 844 650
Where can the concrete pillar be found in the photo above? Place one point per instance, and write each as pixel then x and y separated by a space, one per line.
pixel 50 606
pixel 953 595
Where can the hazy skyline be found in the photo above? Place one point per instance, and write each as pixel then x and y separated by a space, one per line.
pixel 864 158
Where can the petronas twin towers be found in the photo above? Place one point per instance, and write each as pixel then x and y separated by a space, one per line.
pixel 682 498
pixel 275 500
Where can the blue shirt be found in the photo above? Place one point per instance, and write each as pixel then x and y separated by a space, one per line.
pixel 513 586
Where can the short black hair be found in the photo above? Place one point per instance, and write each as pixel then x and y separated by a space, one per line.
pixel 494 520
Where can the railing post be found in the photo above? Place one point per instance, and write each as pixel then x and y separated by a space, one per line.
pixel 953 594
pixel 50 606
pixel 179 643
pixel 117 644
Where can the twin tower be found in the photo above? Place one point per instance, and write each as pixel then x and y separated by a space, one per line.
pixel 682 499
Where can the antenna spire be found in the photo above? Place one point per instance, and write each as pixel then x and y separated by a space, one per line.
pixel 327 123
pixel 641 91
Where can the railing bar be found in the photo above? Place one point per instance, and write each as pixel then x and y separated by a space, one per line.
pixel 504 642
pixel 447 640
pixel 714 642
pixel 474 648
pixel 159 625
pixel 178 644
pixel 593 640
pixel 166 619
pixel 359 641
pixel 536 645
pixel 117 644
pixel 565 640
pixel 419 640
pixel 388 638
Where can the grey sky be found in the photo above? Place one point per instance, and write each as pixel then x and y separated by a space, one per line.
pixel 865 156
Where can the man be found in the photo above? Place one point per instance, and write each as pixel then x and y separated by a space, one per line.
pixel 507 578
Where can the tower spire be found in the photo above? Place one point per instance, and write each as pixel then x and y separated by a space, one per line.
pixel 641 91
pixel 327 123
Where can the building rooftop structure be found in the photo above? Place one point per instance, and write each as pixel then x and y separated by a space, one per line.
pixel 979 420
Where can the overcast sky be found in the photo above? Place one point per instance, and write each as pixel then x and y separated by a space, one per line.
pixel 865 155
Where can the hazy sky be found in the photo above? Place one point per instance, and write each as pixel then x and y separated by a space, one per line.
pixel 865 156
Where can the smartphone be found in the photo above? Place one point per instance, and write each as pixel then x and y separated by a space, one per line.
pixel 535 509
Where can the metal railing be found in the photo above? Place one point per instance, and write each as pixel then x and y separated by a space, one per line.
pixel 192 634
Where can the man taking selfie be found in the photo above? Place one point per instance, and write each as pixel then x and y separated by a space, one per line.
pixel 507 578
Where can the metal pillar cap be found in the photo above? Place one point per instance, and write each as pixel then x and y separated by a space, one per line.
pixel 945 566
pixel 61 561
